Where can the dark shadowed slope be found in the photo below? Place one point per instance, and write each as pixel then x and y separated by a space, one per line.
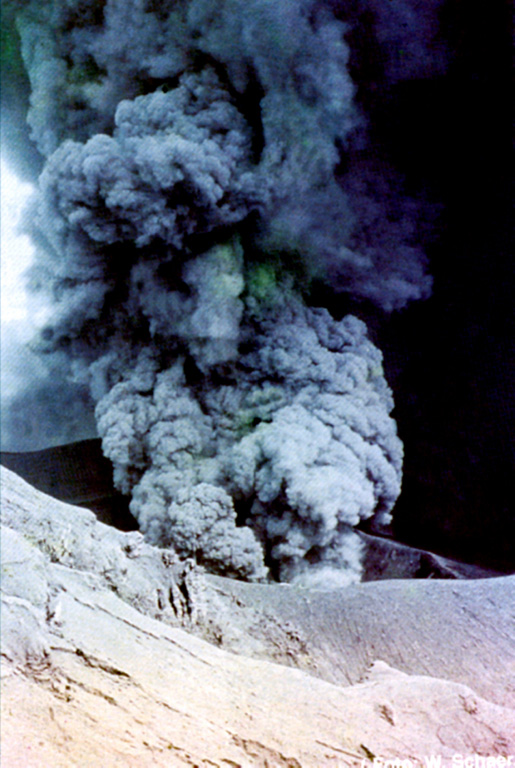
pixel 77 473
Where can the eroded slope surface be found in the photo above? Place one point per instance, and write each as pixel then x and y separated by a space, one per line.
pixel 105 661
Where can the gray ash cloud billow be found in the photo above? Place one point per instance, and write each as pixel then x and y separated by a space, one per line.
pixel 192 189
pixel 292 442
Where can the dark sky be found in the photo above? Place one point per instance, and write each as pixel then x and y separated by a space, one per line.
pixel 451 359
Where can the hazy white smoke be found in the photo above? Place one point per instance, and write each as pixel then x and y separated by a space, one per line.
pixel 32 414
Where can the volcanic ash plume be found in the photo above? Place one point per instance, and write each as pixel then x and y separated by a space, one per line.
pixel 192 189
pixel 275 456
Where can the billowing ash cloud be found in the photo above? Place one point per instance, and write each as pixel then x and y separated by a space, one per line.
pixel 292 440
pixel 205 161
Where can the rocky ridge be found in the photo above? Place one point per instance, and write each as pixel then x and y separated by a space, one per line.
pixel 115 653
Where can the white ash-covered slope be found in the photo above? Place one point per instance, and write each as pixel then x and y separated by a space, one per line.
pixel 93 670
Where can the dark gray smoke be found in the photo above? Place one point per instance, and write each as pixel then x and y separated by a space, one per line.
pixel 206 163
